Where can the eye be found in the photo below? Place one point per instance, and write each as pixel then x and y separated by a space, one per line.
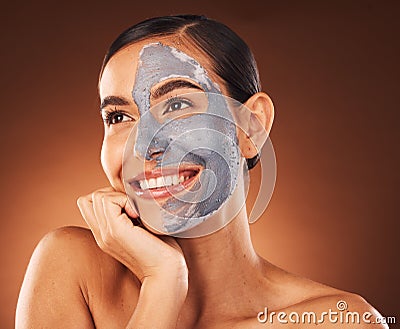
pixel 176 104
pixel 114 117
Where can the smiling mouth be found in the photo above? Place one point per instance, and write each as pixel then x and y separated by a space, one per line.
pixel 165 182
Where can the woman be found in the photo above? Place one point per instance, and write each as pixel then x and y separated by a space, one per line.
pixel 119 275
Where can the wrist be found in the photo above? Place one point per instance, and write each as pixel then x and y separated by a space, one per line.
pixel 161 295
pixel 170 282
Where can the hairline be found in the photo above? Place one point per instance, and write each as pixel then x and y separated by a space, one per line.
pixel 210 65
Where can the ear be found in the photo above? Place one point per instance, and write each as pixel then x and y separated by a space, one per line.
pixel 256 119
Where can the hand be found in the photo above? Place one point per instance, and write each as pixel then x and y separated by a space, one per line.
pixel 145 254
pixel 158 262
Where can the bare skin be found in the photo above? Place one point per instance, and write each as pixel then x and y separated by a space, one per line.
pixel 117 275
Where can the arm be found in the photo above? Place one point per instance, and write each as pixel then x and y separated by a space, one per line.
pixel 159 304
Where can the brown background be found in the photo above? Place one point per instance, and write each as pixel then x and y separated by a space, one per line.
pixel 331 68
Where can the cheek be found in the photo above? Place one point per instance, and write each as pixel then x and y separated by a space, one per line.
pixel 111 160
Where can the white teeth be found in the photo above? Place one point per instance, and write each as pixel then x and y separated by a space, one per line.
pixel 159 182
pixel 162 181
pixel 168 180
pixel 175 180
pixel 144 185
pixel 152 183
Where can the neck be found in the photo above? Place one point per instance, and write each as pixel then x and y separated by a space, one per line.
pixel 223 267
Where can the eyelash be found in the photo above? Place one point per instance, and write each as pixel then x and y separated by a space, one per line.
pixel 111 114
pixel 173 100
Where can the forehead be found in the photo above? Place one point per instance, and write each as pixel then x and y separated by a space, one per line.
pixel 161 57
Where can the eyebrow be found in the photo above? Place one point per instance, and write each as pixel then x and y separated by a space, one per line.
pixel 113 100
pixel 171 86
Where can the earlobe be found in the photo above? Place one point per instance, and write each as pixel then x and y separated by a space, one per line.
pixel 255 128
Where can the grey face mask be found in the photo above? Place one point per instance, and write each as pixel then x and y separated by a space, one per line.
pixel 182 162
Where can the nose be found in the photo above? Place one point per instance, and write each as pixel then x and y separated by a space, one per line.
pixel 154 153
pixel 150 143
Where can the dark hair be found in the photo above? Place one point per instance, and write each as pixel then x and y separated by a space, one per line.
pixel 231 58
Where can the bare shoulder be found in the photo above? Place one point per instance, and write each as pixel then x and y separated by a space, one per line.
pixel 307 302
pixel 65 275
pixel 66 240
pixel 344 310
pixel 341 308
pixel 69 250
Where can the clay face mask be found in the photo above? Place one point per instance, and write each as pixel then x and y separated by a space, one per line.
pixel 181 161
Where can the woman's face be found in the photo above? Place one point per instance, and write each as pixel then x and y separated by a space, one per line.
pixel 170 138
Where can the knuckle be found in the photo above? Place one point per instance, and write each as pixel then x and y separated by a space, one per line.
pixel 99 196
pixel 106 189
pixel 96 194
pixel 81 201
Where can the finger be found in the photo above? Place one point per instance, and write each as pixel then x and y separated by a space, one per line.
pixel 111 221
pixel 119 222
pixel 85 206
pixel 116 219
pixel 113 205
pixel 102 221
pixel 106 189
pixel 121 200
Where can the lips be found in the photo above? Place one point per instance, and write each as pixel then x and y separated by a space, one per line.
pixel 165 182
